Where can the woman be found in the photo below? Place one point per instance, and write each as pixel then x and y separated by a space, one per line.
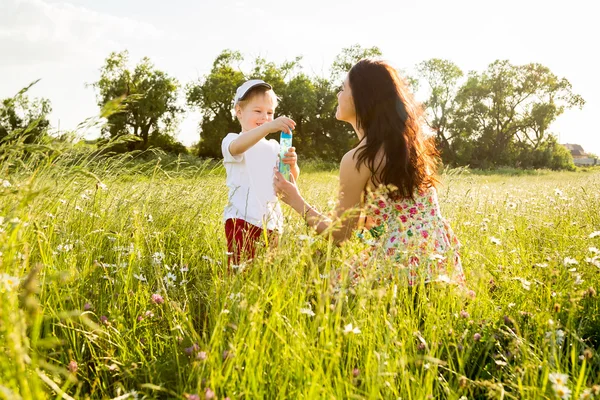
pixel 389 176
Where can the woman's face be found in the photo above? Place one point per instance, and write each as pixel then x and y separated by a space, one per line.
pixel 345 110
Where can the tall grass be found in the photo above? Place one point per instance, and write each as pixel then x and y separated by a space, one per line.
pixel 114 285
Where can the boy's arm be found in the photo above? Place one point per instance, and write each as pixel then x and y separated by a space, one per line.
pixel 253 136
pixel 295 171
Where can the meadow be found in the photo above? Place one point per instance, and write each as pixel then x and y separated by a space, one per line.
pixel 114 284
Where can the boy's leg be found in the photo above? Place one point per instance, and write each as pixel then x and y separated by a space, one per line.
pixel 242 238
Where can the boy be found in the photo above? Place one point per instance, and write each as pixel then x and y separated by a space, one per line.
pixel 249 160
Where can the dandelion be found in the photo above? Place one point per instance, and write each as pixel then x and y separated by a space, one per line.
pixel 157 299
pixel 351 329
pixel 9 282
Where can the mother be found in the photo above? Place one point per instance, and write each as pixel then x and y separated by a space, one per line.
pixel 404 219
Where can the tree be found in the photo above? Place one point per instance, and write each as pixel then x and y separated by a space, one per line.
pixel 350 56
pixel 442 77
pixel 213 97
pixel 149 99
pixel 505 104
pixel 23 118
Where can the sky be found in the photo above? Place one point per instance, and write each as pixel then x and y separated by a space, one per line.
pixel 64 43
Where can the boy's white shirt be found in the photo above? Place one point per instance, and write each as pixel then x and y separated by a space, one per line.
pixel 250 182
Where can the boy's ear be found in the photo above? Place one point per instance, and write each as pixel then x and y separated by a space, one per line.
pixel 238 111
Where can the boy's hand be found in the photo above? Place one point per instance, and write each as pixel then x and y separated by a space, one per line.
pixel 290 158
pixel 280 124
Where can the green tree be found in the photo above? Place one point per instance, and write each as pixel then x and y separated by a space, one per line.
pixel 350 56
pixel 22 118
pixel 149 100
pixel 212 96
pixel 442 77
pixel 503 105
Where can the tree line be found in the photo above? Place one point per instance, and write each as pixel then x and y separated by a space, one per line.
pixel 485 119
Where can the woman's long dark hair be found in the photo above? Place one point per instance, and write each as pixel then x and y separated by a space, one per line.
pixel 392 122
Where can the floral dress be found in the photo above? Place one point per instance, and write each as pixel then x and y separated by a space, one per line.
pixel 414 235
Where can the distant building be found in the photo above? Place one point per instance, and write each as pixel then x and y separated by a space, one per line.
pixel 580 157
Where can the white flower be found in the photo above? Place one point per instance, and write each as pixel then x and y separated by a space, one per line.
pixel 561 391
pixel 570 261
pixel 350 329
pixel 558 379
pixel 185 268
pixel 578 280
pixel 149 218
pixel 77 208
pixel 225 311
pixel 9 282
pixel 496 241
pixel 558 192
pixel 207 258
pixel 524 282
pixel 586 394
pixel 84 196
pixel 6 183
pixel 158 257
pixel 306 238
pixel 594 261
pixel 594 234
pixel 541 265
pixel 436 256
pixel 140 277
pixel 65 248
pixel 308 310
pixel 62 201
pixel 102 186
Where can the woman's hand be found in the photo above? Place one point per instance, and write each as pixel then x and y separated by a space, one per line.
pixel 287 190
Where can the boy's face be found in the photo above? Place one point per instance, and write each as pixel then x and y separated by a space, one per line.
pixel 256 111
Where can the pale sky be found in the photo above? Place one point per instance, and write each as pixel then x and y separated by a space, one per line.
pixel 65 43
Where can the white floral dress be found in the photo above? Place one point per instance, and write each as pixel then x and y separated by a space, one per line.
pixel 413 233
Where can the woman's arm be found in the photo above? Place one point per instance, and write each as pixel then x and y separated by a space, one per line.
pixel 347 212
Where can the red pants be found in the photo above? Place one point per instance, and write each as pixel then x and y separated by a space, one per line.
pixel 242 239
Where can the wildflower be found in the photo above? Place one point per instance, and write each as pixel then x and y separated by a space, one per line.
pixel 477 337
pixel 586 394
pixel 209 394
pixel 464 314
pixel 570 261
pixel 6 183
pixel 190 350
pixel 77 208
pixel 104 320
pixel 157 299
pixel 541 265
pixel 594 250
pixel 9 282
pixel 350 329
pixel 524 282
pixel 72 367
pixel 355 372
pixel 148 314
pixel 185 268
pixel 307 311
pixel 157 258
pixel 225 311
pixel 101 185
pixel 561 391
pixel 140 277
pixel 578 280
pixel 594 234
pixel 149 218
pixel 495 241
pixel 192 397
pixel 201 355
pixel 170 279
pixel 87 307
pixel 558 192
pixel 207 258
pixel 306 238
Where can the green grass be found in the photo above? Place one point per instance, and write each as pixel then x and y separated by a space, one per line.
pixel 80 251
